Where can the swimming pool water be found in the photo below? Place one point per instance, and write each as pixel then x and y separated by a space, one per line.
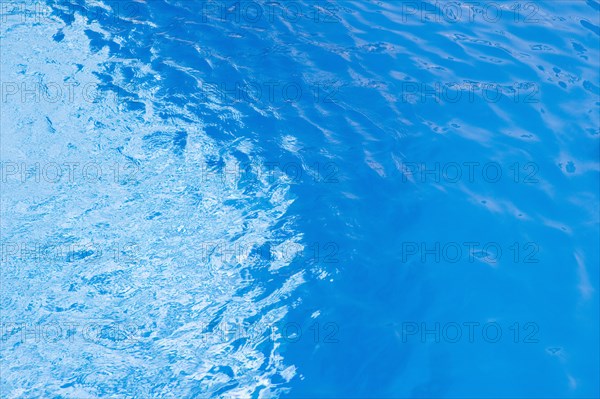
pixel 299 199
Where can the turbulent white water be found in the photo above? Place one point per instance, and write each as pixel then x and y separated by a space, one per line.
pixel 110 281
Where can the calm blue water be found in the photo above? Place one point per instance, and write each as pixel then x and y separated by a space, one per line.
pixel 299 199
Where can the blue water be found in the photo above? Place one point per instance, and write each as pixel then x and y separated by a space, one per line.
pixel 307 199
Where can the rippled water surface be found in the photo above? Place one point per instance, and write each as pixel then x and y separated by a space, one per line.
pixel 299 199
